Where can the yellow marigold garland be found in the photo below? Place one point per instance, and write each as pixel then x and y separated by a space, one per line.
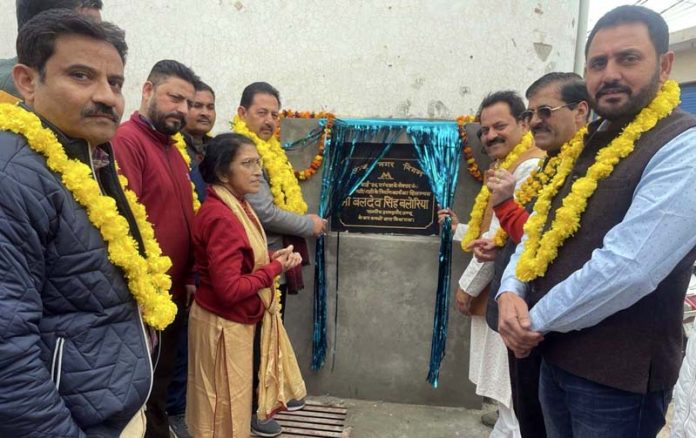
pixel 147 277
pixel 180 144
pixel 541 249
pixel 473 230
pixel 538 179
pixel 285 188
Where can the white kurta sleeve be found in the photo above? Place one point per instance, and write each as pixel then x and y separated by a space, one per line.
pixel 477 274
pixel 459 232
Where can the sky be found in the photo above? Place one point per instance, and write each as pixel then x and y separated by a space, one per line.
pixel 679 14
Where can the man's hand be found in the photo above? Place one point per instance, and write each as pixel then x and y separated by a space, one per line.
pixel 190 292
pixel 318 225
pixel 485 250
pixel 443 213
pixel 501 184
pixel 463 301
pixel 514 325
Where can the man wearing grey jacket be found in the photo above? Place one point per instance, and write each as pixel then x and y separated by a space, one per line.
pixel 258 112
pixel 259 109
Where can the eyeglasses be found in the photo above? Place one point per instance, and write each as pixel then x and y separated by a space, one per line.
pixel 252 163
pixel 544 112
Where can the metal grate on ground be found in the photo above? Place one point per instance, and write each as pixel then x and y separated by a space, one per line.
pixel 316 420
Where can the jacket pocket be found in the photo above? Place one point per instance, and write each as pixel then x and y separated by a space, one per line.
pixel 57 362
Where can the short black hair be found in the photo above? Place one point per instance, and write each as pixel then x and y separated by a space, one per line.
pixel 219 153
pixel 572 86
pixel 37 38
pixel 28 9
pixel 511 98
pixel 657 26
pixel 91 4
pixel 252 90
pixel 167 68
pixel 202 86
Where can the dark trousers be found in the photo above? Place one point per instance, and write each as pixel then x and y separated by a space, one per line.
pixel 524 379
pixel 257 350
pixel 176 394
pixel 156 413
pixel 578 408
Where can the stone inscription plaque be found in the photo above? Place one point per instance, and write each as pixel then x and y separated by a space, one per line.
pixel 394 199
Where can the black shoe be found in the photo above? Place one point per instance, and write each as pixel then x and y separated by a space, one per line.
pixel 265 428
pixel 295 405
pixel 177 427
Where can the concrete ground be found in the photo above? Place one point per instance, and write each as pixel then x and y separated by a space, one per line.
pixel 376 419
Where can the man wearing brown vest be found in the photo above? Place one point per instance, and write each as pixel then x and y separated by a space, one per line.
pixel 607 253
pixel 557 111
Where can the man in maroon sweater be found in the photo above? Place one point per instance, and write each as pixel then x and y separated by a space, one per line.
pixel 158 174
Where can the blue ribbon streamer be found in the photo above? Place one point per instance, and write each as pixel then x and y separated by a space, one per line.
pixel 342 174
pixel 313 136
pixel 438 150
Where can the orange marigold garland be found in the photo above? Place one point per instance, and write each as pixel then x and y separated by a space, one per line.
pixel 314 166
pixel 471 164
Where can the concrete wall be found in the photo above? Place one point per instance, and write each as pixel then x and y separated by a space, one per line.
pixel 382 58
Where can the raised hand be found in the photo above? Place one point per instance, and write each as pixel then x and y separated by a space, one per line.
pixel 443 213
pixel 319 225
pixel 501 184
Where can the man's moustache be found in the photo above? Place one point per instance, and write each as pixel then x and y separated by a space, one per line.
pixel 612 88
pixel 101 111
pixel 178 116
pixel 495 141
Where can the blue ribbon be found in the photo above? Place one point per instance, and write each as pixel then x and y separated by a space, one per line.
pixel 438 150
pixel 342 174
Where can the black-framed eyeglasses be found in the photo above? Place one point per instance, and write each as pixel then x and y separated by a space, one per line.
pixel 544 112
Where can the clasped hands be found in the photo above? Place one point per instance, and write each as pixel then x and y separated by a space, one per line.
pixel 287 258
pixel 514 325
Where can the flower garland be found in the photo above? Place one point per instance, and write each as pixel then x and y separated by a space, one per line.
pixel 146 276
pixel 305 174
pixel 471 164
pixel 180 144
pixel 539 178
pixel 285 188
pixel 473 230
pixel 541 249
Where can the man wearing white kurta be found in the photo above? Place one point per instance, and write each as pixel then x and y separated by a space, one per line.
pixel 501 131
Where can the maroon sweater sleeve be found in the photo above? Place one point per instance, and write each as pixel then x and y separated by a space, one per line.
pixel 227 248
pixel 512 218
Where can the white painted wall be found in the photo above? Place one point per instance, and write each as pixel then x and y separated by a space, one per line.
pixel 379 58
pixel 684 67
